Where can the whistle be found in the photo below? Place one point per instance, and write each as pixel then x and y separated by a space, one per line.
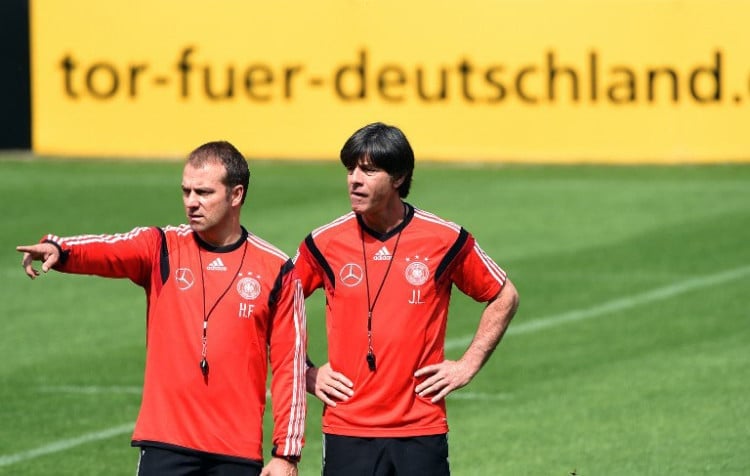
pixel 204 367
pixel 371 361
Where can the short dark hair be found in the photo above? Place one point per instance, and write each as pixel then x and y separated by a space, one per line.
pixel 237 171
pixel 384 147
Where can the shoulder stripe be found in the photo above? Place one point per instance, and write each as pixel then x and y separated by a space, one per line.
pixel 495 270
pixel 426 216
pixel 86 239
pixel 180 230
pixel 266 246
pixel 338 221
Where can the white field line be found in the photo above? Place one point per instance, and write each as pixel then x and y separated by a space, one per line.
pixel 658 294
pixel 575 315
pixel 62 445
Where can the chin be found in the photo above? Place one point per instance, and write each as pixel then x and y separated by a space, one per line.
pixel 358 209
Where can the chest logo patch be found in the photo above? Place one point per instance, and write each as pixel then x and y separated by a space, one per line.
pixel 184 279
pixel 350 274
pixel 417 273
pixel 249 288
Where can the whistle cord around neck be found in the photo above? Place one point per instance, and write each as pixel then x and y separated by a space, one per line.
pixel 371 305
pixel 204 338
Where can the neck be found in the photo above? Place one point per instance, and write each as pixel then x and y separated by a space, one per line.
pixel 218 238
pixel 388 219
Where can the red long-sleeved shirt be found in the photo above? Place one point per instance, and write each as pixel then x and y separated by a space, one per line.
pixel 251 300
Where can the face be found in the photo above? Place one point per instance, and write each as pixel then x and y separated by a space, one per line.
pixel 207 204
pixel 371 189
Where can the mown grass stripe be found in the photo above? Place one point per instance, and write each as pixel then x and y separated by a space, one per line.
pixel 91 389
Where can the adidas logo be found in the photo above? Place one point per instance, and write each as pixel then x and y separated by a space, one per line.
pixel 382 255
pixel 216 265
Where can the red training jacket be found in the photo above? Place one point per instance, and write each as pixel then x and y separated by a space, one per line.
pixel 250 298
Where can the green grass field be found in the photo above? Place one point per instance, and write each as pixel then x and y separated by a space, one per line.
pixel 630 353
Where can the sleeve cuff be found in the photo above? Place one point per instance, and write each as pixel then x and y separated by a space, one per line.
pixel 290 458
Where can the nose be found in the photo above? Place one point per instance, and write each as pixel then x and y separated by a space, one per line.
pixel 191 199
pixel 355 176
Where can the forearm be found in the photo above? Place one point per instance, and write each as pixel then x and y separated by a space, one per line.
pixel 492 326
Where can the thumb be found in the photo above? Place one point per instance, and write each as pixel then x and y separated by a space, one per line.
pixel 49 263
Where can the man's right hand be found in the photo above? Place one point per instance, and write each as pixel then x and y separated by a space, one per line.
pixel 328 385
pixel 47 253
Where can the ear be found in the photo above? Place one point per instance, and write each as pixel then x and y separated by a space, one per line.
pixel 397 181
pixel 237 192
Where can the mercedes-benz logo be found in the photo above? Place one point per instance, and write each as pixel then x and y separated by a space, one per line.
pixel 184 279
pixel 350 274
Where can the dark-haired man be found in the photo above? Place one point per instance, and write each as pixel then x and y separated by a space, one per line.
pixel 387 269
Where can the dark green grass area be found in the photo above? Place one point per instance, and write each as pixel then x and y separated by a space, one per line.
pixel 649 376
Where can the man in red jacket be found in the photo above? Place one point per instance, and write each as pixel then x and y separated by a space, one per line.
pixel 221 304
pixel 387 269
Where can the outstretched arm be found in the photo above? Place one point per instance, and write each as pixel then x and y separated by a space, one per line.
pixel 447 376
pixel 47 253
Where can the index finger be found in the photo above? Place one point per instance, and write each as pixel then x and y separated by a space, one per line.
pixel 428 369
pixel 338 376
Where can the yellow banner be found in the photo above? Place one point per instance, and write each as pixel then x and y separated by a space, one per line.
pixel 486 80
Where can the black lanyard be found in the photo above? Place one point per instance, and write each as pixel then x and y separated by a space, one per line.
pixel 371 304
pixel 204 340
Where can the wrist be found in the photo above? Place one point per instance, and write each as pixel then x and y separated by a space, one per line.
pixel 293 459
pixel 289 459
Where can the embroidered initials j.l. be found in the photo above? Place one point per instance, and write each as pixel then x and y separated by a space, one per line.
pixel 416 297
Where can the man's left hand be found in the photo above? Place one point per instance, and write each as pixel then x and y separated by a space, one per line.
pixel 443 378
